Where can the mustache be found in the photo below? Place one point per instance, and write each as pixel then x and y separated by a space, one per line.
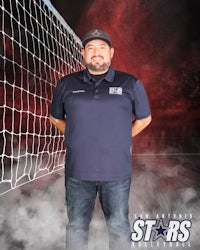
pixel 97 56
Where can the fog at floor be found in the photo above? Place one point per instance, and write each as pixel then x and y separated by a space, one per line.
pixel 34 215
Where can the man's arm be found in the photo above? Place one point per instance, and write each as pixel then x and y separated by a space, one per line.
pixel 139 125
pixel 59 124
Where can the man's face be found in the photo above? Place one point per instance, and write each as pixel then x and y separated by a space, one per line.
pixel 97 55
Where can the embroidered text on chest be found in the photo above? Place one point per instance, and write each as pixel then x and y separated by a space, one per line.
pixel 115 91
pixel 78 91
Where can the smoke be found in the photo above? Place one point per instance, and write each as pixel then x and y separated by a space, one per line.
pixel 148 36
pixel 34 215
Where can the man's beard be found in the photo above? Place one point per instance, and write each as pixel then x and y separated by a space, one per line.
pixel 97 68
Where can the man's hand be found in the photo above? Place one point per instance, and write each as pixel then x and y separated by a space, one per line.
pixel 59 124
pixel 139 125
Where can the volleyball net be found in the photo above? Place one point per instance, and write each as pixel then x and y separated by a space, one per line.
pixel 37 47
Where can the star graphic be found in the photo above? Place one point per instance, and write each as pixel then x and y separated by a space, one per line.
pixel 96 33
pixel 160 230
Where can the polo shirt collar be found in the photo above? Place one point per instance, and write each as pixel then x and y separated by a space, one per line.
pixel 109 77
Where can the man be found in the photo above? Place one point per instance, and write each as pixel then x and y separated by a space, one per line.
pixel 94 109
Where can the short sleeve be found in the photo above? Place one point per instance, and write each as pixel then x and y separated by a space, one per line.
pixel 141 106
pixel 57 106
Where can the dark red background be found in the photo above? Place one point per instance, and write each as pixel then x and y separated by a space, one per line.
pixel 159 42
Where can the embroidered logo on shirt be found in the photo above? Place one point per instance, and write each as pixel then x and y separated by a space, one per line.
pixel 115 91
pixel 78 91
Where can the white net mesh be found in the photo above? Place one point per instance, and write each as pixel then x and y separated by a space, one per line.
pixel 37 47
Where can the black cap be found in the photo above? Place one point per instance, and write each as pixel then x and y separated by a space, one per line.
pixel 96 34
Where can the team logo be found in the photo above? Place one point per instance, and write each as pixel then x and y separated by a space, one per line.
pixel 115 91
pixel 166 230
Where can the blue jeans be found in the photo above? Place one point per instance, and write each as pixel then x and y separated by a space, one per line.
pixel 113 197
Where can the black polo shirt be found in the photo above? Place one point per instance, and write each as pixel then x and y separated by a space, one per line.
pixel 99 117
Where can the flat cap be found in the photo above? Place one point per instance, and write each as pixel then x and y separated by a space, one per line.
pixel 96 34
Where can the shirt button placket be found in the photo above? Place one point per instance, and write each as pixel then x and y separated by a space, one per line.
pixel 96 91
